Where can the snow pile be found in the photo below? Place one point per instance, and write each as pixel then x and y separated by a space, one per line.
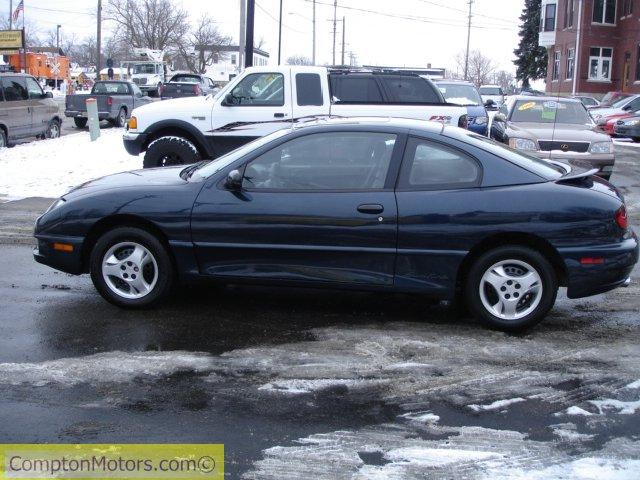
pixel 497 405
pixel 49 168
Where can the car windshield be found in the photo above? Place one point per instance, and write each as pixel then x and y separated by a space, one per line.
pixel 550 111
pixel 490 91
pixel 185 79
pixel 460 94
pixel 144 68
pixel 207 169
pixel 620 102
pixel 540 167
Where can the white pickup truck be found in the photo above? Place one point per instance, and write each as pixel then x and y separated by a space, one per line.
pixel 264 99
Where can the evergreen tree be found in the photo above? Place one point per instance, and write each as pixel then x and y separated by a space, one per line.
pixel 531 62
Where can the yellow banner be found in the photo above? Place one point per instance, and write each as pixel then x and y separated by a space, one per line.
pixel 10 39
pixel 118 461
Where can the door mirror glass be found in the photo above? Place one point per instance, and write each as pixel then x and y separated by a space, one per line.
pixel 230 100
pixel 234 181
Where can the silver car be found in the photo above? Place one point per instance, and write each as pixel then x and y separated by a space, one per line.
pixel 553 128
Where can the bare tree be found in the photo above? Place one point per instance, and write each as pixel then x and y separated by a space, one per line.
pixel 298 60
pixel 480 66
pixel 505 79
pixel 203 46
pixel 155 24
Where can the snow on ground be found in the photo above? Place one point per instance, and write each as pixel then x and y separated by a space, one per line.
pixel 49 168
pixel 497 405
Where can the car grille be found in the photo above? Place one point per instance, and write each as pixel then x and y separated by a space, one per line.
pixel 547 145
pixel 140 81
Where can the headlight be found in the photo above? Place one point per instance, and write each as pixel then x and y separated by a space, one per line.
pixel 602 147
pixel 480 121
pixel 631 123
pixel 56 204
pixel 523 144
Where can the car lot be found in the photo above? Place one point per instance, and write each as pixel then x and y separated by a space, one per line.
pixel 324 384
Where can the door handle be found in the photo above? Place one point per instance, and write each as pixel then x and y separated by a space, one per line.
pixel 279 115
pixel 371 208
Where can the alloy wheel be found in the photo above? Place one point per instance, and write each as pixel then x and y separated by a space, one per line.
pixel 130 270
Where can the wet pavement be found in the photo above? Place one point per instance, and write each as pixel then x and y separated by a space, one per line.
pixel 325 384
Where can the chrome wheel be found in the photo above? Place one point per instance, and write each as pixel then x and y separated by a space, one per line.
pixel 122 118
pixel 54 130
pixel 511 289
pixel 130 270
pixel 3 142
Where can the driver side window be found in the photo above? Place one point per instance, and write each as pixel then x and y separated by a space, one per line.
pixel 260 89
pixel 324 161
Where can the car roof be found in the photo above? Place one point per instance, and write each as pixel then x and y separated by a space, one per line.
pixel 454 81
pixel 492 86
pixel 404 123
pixel 534 98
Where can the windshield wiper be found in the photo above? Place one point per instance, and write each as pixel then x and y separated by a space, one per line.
pixel 186 173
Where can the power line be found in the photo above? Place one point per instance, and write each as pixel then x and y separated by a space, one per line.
pixel 276 20
pixel 511 22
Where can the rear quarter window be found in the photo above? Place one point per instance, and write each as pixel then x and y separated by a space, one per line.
pixel 309 89
pixel 411 90
pixel 355 89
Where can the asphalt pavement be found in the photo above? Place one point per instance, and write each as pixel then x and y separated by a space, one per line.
pixel 323 384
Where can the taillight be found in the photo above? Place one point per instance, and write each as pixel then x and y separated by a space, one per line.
pixel 109 100
pixel 196 89
pixel 621 217
pixel 463 122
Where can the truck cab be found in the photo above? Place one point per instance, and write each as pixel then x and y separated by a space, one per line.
pixel 149 71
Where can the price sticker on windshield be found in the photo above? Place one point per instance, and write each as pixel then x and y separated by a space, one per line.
pixel 526 106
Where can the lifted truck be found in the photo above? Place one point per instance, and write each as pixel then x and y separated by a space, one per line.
pixel 116 101
pixel 265 99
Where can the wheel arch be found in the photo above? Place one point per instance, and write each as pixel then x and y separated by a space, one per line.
pixel 177 128
pixel 518 239
pixel 122 220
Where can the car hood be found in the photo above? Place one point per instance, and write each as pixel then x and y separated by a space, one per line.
pixel 138 179
pixel 569 133
pixel 190 105
pixel 598 113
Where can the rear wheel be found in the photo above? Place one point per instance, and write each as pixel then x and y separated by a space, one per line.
pixel 80 122
pixel 131 268
pixel 121 119
pixel 168 151
pixel 3 139
pixel 53 130
pixel 635 139
pixel 511 288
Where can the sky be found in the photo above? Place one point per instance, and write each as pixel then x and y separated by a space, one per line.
pixel 378 32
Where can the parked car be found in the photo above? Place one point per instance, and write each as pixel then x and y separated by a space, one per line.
pixel 466 94
pixel 612 97
pixel 607 123
pixel 493 93
pixel 26 110
pixel 623 105
pixel 553 128
pixel 116 100
pixel 588 102
pixel 368 204
pixel 262 100
pixel 629 127
pixel 187 85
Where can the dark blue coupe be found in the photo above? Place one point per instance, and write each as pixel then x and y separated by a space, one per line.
pixel 371 204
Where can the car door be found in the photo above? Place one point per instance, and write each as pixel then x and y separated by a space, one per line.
pixel 258 105
pixel 16 98
pixel 438 198
pixel 316 208
pixel 40 107
pixel 138 97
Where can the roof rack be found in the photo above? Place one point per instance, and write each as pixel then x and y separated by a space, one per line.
pixel 375 71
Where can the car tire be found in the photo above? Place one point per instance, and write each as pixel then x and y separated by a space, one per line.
pixel 121 119
pixel 131 268
pixel 3 139
pixel 80 122
pixel 511 288
pixel 635 139
pixel 53 129
pixel 168 151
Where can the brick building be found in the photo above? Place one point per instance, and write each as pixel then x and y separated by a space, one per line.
pixel 593 45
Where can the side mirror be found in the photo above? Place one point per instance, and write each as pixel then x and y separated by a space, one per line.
pixel 499 117
pixel 234 181
pixel 47 95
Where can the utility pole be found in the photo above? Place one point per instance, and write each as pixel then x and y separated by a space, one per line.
pixel 313 54
pixel 11 14
pixel 99 40
pixel 58 37
pixel 243 25
pixel 466 57
pixel 251 11
pixel 56 56
pixel 335 9
pixel 280 34
pixel 343 29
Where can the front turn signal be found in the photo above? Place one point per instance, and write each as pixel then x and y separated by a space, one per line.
pixel 133 123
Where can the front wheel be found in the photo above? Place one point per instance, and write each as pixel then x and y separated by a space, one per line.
pixel 53 130
pixel 131 268
pixel 511 288
pixel 169 151
pixel 80 122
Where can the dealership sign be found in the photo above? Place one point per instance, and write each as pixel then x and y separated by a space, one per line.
pixel 11 41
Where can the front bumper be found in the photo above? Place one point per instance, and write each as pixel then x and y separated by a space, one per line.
pixel 133 142
pixel 603 162
pixel 69 262
pixel 587 280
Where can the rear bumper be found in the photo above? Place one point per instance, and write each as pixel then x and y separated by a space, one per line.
pixel 133 142
pixel 587 280
pixel 79 114
pixel 69 262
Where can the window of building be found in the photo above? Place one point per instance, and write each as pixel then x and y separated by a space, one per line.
pixel 627 8
pixel 600 63
pixel 568 13
pixel 549 17
pixel 555 74
pixel 571 60
pixel 638 65
pixel 604 11
pixel 233 59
